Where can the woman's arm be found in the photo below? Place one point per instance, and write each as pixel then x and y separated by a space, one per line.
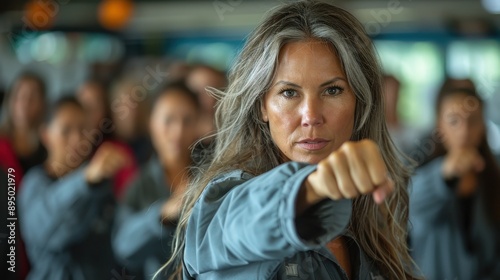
pixel 55 214
pixel 238 220
pixel 132 223
pixel 430 194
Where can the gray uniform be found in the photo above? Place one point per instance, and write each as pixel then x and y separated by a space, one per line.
pixel 66 225
pixel 244 227
pixel 441 246
pixel 141 242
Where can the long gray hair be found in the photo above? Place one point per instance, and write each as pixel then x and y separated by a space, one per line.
pixel 243 140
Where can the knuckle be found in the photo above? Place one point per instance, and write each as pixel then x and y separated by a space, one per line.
pixel 347 190
pixel 348 146
pixel 335 195
pixel 335 158
pixel 322 166
pixel 365 188
pixel 369 144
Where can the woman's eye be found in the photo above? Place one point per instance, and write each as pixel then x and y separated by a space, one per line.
pixel 334 90
pixel 289 93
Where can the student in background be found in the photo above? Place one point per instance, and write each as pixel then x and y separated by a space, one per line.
pixel 66 207
pixel 403 136
pixel 20 145
pixel 93 95
pixel 23 110
pixel 200 79
pixel 454 210
pixel 151 206
pixel 129 112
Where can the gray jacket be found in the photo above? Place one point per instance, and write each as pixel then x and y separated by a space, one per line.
pixel 66 225
pixel 141 242
pixel 439 240
pixel 244 227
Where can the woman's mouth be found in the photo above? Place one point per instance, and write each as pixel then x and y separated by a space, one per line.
pixel 313 144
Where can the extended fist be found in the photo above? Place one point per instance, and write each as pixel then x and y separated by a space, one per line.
pixel 356 168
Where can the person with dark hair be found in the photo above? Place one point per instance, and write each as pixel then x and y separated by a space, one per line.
pixel 151 206
pixel 200 79
pixel 129 112
pixel 402 135
pixel 23 110
pixel 93 95
pixel 66 206
pixel 20 145
pixel 454 210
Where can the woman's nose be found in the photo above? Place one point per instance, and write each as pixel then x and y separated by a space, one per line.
pixel 311 111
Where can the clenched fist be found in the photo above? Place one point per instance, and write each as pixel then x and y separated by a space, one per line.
pixel 459 162
pixel 107 160
pixel 355 169
pixel 463 164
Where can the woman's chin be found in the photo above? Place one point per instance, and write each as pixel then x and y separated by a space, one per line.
pixel 310 158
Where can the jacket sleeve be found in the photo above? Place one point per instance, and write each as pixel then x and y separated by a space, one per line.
pixel 237 221
pixel 56 214
pixel 140 234
pixel 430 197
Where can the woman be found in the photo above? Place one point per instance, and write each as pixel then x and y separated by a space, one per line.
pixel 454 208
pixel 20 146
pixel 66 207
pixel 199 79
pixel 129 112
pixel 154 196
pixel 304 181
pixel 93 96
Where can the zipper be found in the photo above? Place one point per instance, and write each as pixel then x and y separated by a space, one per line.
pixel 326 254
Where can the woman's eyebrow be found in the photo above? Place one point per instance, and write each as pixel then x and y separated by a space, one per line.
pixel 286 83
pixel 332 81
pixel 297 86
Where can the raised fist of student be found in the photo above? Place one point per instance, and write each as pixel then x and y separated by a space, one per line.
pixel 463 164
pixel 460 162
pixel 107 160
pixel 171 209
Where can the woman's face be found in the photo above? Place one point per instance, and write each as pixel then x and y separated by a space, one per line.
pixel 63 136
pixel 310 106
pixel 461 122
pixel 173 125
pixel 27 103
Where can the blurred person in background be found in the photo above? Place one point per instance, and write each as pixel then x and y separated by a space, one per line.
pixel 20 145
pixel 454 210
pixel 22 112
pixel 198 80
pixel 400 134
pixel 151 207
pixel 425 145
pixel 129 112
pixel 178 71
pixel 93 95
pixel 66 207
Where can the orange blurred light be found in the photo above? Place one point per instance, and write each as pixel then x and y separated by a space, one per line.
pixel 115 14
pixel 40 14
